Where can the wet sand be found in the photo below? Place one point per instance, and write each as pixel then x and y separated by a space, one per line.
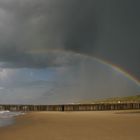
pixel 109 125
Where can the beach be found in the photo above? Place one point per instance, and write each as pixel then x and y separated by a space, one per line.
pixel 98 125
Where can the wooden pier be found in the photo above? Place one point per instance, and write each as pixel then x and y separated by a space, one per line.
pixel 72 107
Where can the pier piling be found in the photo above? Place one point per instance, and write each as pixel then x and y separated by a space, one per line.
pixel 72 107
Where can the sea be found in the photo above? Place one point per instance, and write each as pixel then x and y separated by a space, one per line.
pixel 8 118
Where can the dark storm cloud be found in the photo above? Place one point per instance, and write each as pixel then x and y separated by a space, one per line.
pixel 105 28
pixel 43 60
pixel 30 25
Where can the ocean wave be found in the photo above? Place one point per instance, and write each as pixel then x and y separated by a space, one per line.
pixel 7 117
pixel 9 114
pixel 6 111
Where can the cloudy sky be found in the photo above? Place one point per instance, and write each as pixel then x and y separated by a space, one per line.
pixel 48 49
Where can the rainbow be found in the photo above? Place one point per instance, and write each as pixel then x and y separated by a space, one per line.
pixel 120 70
pixel 101 61
pixel 115 68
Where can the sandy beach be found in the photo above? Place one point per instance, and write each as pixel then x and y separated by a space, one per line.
pixel 109 125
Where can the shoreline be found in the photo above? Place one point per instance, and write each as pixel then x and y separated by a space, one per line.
pixel 8 118
pixel 99 125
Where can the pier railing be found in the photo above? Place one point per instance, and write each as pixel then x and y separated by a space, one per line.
pixel 72 107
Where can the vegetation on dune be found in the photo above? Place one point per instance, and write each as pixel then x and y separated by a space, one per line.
pixel 115 100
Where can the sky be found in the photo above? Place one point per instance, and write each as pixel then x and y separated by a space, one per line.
pixel 48 49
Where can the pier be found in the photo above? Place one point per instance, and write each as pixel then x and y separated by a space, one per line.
pixel 72 107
